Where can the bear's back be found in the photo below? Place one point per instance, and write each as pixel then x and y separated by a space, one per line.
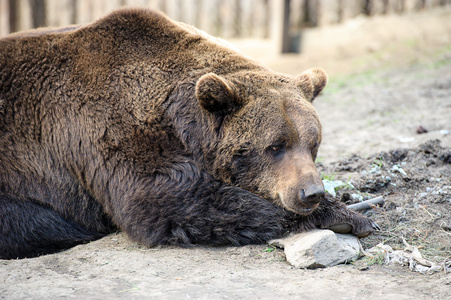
pixel 127 37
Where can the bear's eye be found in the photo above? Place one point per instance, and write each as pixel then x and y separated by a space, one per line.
pixel 277 150
pixel 315 150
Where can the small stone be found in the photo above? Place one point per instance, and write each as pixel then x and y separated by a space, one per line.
pixel 421 130
pixel 319 249
pixel 357 197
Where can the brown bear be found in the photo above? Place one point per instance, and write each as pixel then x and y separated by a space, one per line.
pixel 145 125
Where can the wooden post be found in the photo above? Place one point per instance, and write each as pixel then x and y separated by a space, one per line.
pixel 238 20
pixel 286 41
pixel 111 5
pixel 4 17
pixel 24 15
pixel 276 29
pixel 84 10
pixel 35 12
pixel 56 13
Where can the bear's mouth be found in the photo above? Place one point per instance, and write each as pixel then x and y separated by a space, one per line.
pixel 298 207
pixel 305 211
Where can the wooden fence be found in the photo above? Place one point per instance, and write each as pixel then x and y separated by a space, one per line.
pixel 224 18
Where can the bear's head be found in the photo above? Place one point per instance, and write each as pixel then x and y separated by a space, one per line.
pixel 269 134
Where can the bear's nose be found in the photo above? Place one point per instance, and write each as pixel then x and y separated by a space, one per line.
pixel 312 195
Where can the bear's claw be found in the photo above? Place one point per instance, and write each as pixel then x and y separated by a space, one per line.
pixel 375 225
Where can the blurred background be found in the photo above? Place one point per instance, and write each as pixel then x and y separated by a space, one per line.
pixel 312 32
pixel 262 28
pixel 342 36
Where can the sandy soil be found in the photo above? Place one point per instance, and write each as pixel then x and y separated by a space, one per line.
pixel 115 268
pixel 365 116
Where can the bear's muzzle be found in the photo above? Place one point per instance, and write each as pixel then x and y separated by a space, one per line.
pixel 312 195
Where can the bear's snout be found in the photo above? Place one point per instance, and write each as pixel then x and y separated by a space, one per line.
pixel 312 195
pixel 301 188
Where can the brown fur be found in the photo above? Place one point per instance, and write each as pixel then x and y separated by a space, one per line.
pixel 143 124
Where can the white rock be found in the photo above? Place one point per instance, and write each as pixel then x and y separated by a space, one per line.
pixel 319 248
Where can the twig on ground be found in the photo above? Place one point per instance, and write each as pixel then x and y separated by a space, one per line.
pixel 367 204
pixel 431 215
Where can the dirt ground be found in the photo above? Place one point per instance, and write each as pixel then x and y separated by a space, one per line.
pixel 370 121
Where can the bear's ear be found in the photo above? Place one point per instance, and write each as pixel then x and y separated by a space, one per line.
pixel 312 82
pixel 216 95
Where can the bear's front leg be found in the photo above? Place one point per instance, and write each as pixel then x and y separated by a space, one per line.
pixel 333 215
pixel 184 205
